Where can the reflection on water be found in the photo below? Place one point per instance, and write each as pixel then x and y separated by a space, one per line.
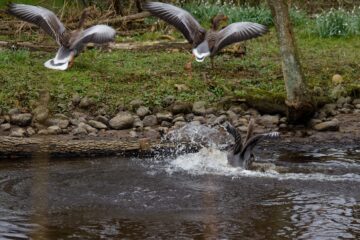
pixel 317 216
pixel 312 196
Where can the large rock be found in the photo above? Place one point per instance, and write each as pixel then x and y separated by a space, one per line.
pixel 180 107
pixel 97 125
pixel 332 125
pixel 199 108
pixel 150 120
pixel 122 120
pixel 21 119
pixel 164 116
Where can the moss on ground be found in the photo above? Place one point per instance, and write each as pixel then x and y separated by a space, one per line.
pixel 115 78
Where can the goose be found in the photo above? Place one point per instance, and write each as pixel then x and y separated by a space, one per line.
pixel 71 43
pixel 205 43
pixel 241 154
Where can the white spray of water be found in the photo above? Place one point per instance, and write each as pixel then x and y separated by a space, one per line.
pixel 213 161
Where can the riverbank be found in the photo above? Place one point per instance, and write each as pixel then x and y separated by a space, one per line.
pixel 141 131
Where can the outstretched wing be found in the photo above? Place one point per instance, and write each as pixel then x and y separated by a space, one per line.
pixel 237 32
pixel 237 137
pixel 41 17
pixel 251 143
pixel 98 34
pixel 179 18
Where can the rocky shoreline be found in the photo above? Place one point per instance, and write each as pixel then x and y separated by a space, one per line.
pixel 140 121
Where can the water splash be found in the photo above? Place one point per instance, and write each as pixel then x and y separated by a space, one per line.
pixel 214 161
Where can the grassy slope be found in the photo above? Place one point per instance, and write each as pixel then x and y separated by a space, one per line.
pixel 118 77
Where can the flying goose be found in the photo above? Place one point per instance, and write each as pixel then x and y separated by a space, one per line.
pixel 205 43
pixel 71 42
pixel 241 153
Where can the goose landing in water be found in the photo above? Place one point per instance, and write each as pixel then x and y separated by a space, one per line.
pixel 205 43
pixel 241 153
pixel 71 43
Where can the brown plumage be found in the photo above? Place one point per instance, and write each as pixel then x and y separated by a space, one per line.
pixel 204 43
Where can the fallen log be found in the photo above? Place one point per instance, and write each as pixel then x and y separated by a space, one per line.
pixel 69 147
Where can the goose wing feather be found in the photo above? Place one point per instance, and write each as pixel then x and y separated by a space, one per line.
pixel 98 34
pixel 179 18
pixel 237 32
pixel 41 17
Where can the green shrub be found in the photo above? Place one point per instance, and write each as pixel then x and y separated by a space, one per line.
pixel 260 14
pixel 338 22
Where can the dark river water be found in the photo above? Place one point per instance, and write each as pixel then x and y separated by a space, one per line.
pixel 313 194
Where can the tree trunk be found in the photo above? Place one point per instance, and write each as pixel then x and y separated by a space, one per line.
pixel 139 6
pixel 118 6
pixel 299 103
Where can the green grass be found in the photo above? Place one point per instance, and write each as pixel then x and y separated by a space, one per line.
pixel 118 77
